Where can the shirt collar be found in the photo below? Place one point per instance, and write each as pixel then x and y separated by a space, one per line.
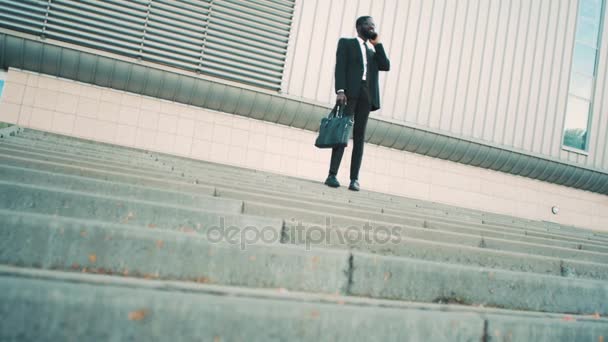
pixel 361 41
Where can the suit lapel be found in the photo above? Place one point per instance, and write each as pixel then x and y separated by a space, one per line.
pixel 357 49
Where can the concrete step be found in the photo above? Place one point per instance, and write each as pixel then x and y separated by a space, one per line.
pixel 330 219
pixel 448 251
pixel 139 216
pixel 488 217
pixel 93 307
pixel 425 281
pixel 205 176
pixel 140 160
pixel 533 241
pixel 165 181
pixel 421 219
pixel 115 309
pixel 176 185
pixel 144 166
pixel 486 220
pixel 34 240
pixel 53 201
pixel 410 247
pixel 107 152
pixel 29 240
pixel 552 228
pixel 201 199
pixel 172 160
pixel 177 162
pixel 131 192
pixel 521 237
pixel 58 243
pixel 84 149
pixel 410 218
pixel 99 165
pixel 309 231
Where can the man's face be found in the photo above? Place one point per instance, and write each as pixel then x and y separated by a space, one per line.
pixel 367 29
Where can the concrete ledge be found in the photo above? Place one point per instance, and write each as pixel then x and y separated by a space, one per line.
pixel 49 156
pixel 168 183
pixel 39 304
pixel 18 175
pixel 34 309
pixel 88 246
pixel 322 221
pixel 502 328
pixel 415 280
pixel 464 224
pixel 146 167
pixel 307 190
pixel 54 201
pixel 445 251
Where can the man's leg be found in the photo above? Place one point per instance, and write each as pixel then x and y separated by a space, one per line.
pixel 336 158
pixel 338 152
pixel 361 115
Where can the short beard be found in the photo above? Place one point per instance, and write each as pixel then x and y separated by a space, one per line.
pixel 370 35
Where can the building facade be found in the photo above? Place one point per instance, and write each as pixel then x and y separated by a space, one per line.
pixel 492 105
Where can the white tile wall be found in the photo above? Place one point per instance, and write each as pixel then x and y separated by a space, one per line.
pixel 87 111
pixel 13 92
pixel 63 123
pixel 25 115
pixel 41 118
pixel 67 103
pixel 9 112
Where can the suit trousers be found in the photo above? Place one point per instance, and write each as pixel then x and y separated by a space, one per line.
pixel 359 108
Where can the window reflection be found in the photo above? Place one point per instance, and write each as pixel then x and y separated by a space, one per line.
pixel 587 32
pixel 591 9
pixel 581 85
pixel 577 116
pixel 584 59
pixel 583 74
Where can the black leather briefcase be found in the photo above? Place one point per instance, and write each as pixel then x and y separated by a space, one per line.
pixel 335 129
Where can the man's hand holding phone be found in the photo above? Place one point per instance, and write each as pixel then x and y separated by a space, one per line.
pixel 374 39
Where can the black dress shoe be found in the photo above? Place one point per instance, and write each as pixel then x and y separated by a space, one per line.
pixel 332 181
pixel 354 185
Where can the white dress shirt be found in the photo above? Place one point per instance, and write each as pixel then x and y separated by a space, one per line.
pixel 362 45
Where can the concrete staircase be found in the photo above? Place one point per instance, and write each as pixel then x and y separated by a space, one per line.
pixel 100 242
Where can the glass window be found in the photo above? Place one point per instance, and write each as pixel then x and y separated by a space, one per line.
pixel 583 74
pixel 591 9
pixel 1 87
pixel 587 31
pixel 581 85
pixel 577 116
pixel 583 60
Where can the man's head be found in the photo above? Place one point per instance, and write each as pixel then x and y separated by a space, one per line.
pixel 366 28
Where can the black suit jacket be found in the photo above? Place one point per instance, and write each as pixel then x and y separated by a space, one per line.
pixel 349 70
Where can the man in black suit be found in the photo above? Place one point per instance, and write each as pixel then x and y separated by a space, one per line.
pixel 358 61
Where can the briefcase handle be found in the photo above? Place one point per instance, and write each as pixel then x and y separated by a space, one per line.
pixel 338 111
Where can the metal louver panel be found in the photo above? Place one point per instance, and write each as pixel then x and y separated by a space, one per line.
pixel 240 40
pixel 247 40
pixel 26 16
pixel 112 25
pixel 175 32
